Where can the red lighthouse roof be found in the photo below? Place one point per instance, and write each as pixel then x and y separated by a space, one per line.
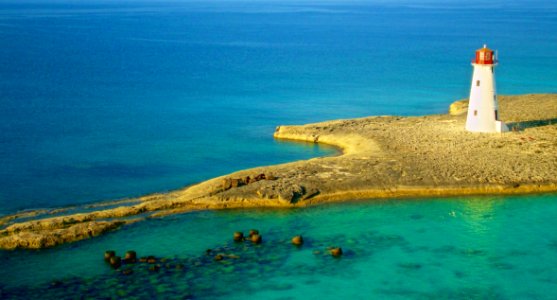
pixel 484 56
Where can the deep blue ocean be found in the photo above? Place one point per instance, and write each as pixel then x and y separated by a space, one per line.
pixel 101 100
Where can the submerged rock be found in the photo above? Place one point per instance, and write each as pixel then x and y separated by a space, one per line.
pixel 298 240
pixel 115 262
pixel 108 254
pixel 130 257
pixel 238 236
pixel 154 268
pixel 219 257
pixel 127 272
pixel 56 283
pixel 256 239
pixel 336 252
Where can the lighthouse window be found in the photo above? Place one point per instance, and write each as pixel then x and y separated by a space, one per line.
pixel 475 112
pixel 477 83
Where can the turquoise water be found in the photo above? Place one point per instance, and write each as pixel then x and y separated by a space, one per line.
pixel 102 100
pixel 463 248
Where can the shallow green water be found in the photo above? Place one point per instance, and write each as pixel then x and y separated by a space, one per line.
pixel 484 247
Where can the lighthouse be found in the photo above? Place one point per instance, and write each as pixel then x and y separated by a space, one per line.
pixel 483 111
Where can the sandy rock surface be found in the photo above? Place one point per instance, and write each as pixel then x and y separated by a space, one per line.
pixel 382 157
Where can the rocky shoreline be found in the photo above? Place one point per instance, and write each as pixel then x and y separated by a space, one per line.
pixel 382 157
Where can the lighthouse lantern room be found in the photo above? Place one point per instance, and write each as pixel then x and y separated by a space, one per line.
pixel 483 110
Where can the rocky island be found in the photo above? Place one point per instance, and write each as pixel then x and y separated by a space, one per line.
pixel 382 157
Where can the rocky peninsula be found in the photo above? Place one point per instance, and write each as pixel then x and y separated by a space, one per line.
pixel 382 157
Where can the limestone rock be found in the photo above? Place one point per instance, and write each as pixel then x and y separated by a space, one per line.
pixel 235 182
pixel 290 193
pixel 37 237
pixel 458 107
pixel 226 184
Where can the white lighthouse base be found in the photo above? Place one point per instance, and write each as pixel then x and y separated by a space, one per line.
pixel 501 127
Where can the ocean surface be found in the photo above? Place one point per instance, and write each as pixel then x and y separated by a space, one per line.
pixel 102 100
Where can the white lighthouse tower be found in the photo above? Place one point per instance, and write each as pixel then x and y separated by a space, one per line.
pixel 483 111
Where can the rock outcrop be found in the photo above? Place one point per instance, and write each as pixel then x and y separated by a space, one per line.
pixel 382 157
pixel 458 107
